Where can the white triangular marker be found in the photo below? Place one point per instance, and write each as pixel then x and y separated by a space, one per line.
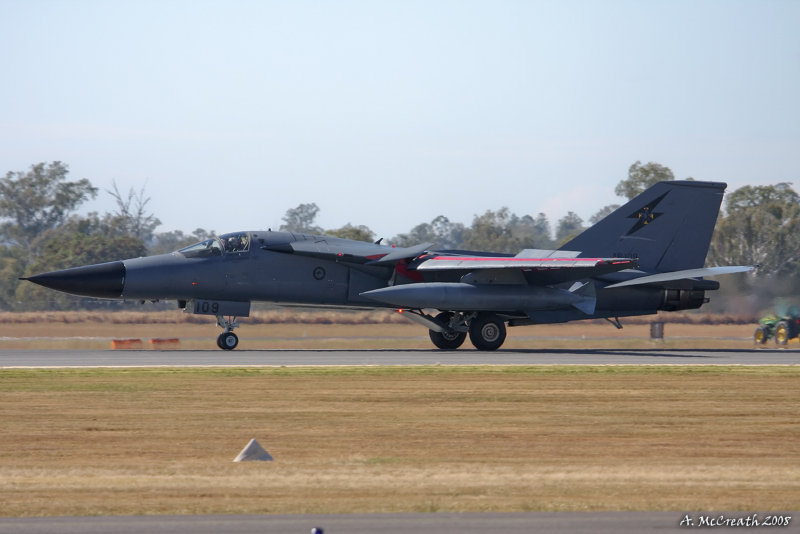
pixel 253 451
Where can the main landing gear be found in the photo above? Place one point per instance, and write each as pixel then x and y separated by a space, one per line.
pixel 452 337
pixel 486 331
pixel 227 340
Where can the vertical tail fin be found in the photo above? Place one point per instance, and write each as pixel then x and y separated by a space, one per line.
pixel 668 227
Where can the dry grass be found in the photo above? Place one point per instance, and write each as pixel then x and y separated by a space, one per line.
pixel 399 439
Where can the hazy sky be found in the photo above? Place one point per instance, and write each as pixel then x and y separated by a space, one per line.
pixel 389 113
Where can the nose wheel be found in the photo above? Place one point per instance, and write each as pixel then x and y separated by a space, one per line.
pixel 227 340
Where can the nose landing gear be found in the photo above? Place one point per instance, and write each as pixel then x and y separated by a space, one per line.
pixel 227 340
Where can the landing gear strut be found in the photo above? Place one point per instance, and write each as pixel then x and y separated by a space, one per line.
pixel 227 340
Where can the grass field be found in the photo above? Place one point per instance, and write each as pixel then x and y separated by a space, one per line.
pixel 162 441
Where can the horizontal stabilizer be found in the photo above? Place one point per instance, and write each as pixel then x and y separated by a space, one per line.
pixel 682 275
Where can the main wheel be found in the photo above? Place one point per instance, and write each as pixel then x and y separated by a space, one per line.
pixel 760 336
pixel 782 333
pixel 447 340
pixel 487 332
pixel 227 341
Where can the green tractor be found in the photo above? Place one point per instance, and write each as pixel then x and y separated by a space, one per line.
pixel 781 328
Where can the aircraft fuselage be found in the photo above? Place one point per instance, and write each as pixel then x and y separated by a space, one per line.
pixel 665 233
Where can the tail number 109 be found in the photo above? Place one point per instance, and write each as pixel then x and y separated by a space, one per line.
pixel 206 307
pixel 219 307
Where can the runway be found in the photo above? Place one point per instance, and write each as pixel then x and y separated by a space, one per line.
pixel 238 358
pixel 433 523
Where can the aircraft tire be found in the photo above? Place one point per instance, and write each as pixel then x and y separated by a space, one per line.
pixel 228 341
pixel 447 340
pixel 487 332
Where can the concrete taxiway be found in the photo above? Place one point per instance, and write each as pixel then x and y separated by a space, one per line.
pixel 202 358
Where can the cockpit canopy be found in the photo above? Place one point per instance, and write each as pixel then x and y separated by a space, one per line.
pixel 236 243
pixel 209 247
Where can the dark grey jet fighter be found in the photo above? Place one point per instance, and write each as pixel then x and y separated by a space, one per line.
pixel 644 257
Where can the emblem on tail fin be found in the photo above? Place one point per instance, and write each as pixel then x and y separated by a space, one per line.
pixel 646 215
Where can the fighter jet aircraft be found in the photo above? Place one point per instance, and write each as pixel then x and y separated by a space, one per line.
pixel 644 257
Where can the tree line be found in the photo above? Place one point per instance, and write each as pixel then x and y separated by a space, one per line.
pixel 40 231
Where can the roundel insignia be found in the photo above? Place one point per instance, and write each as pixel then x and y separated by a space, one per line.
pixel 319 273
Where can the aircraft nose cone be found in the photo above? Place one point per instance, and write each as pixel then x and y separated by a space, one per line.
pixel 104 280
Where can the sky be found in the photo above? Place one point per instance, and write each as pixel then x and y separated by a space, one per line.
pixel 391 113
